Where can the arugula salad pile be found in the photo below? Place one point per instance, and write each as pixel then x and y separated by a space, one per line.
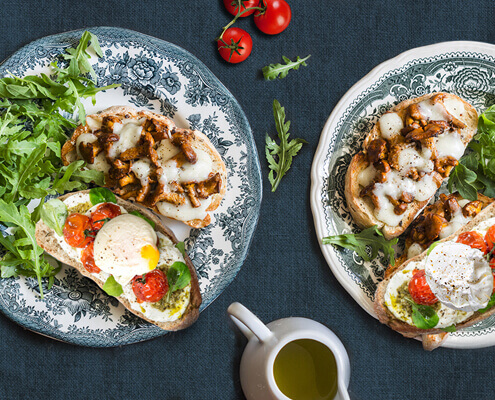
pixel 33 128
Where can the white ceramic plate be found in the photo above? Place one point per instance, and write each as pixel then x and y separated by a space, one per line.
pixel 466 69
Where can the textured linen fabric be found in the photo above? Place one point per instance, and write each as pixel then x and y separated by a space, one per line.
pixel 285 273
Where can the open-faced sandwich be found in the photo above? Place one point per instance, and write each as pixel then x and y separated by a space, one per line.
pixel 448 287
pixel 145 157
pixel 405 158
pixel 127 251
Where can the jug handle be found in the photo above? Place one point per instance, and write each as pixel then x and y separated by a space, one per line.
pixel 248 323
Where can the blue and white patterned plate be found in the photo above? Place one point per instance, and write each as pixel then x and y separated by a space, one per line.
pixel 164 78
pixel 466 69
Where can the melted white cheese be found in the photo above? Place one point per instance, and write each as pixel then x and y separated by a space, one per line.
pixel 455 107
pixel 185 212
pixel 457 221
pixel 129 132
pixel 142 169
pixel 450 144
pixel 433 112
pixel 84 138
pixel 411 158
pixel 366 176
pixel 390 125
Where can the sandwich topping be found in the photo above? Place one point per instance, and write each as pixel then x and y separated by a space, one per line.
pixel 158 165
pixel 416 150
pixel 440 220
pixel 453 281
pixel 115 246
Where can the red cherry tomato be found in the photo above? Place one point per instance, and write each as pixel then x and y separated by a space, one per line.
pixel 232 6
pixel 275 18
pixel 102 212
pixel 88 258
pixel 77 227
pixel 420 290
pixel 150 287
pixel 235 46
pixel 473 239
pixel 490 238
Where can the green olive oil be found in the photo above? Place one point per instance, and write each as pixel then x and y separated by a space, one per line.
pixel 305 369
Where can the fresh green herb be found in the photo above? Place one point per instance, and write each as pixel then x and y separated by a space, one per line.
pixel 423 317
pixel 101 195
pixel 280 71
pixel 359 242
pixel 432 246
pixel 178 277
pixel 138 214
pixel 285 151
pixel 476 170
pixel 182 248
pixel 32 132
pixel 450 328
pixel 112 287
pixel 54 214
pixel 490 304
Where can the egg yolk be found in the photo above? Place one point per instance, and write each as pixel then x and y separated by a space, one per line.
pixel 151 254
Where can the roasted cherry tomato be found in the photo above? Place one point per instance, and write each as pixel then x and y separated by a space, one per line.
pixel 150 287
pixel 275 18
pixel 473 239
pixel 490 238
pixel 77 230
pixel 88 259
pixel 232 6
pixel 235 46
pixel 103 212
pixel 420 290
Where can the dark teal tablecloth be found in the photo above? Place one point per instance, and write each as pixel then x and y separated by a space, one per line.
pixel 285 273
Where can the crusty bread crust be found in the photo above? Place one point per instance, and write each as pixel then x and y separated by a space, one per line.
pixel 45 237
pixel 386 317
pixel 362 208
pixel 201 142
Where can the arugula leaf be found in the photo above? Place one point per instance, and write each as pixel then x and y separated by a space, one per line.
pixel 284 152
pixel 490 304
pixel 33 129
pixel 138 214
pixel 178 277
pixel 112 287
pixel 359 243
pixel 181 247
pixel 280 71
pixel 476 169
pixel 22 219
pixel 101 195
pixel 423 317
pixel 54 214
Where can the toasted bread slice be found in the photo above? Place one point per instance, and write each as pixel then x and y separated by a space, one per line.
pixel 362 208
pixel 385 315
pixel 167 127
pixel 46 239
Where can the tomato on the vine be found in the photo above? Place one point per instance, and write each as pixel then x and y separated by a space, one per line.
pixel 104 212
pixel 88 259
pixel 150 287
pixel 420 290
pixel 77 230
pixel 275 18
pixel 235 45
pixel 473 239
pixel 232 6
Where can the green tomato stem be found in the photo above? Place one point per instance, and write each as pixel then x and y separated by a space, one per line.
pixel 239 14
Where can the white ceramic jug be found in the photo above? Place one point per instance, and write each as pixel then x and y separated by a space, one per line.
pixel 265 341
